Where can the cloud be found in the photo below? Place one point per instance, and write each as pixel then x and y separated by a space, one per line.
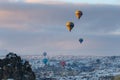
pixel 100 18
pixel 30 28
pixel 34 1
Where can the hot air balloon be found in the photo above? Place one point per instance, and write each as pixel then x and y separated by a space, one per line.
pixel 70 25
pixel 44 54
pixel 78 14
pixel 80 40
pixel 45 60
pixel 62 63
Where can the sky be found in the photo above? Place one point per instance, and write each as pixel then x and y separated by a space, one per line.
pixel 30 27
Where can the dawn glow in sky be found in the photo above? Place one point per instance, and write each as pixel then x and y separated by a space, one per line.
pixel 30 27
pixel 72 1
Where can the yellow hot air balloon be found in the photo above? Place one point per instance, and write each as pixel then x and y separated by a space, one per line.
pixel 78 14
pixel 70 25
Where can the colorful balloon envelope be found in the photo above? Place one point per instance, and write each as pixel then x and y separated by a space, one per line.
pixel 78 14
pixel 80 40
pixel 44 54
pixel 70 25
pixel 62 63
pixel 45 60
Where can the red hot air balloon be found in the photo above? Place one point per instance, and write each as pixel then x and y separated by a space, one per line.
pixel 63 63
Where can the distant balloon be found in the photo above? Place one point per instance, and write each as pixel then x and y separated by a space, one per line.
pixel 70 25
pixel 80 40
pixel 44 54
pixel 78 14
pixel 63 63
pixel 45 60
